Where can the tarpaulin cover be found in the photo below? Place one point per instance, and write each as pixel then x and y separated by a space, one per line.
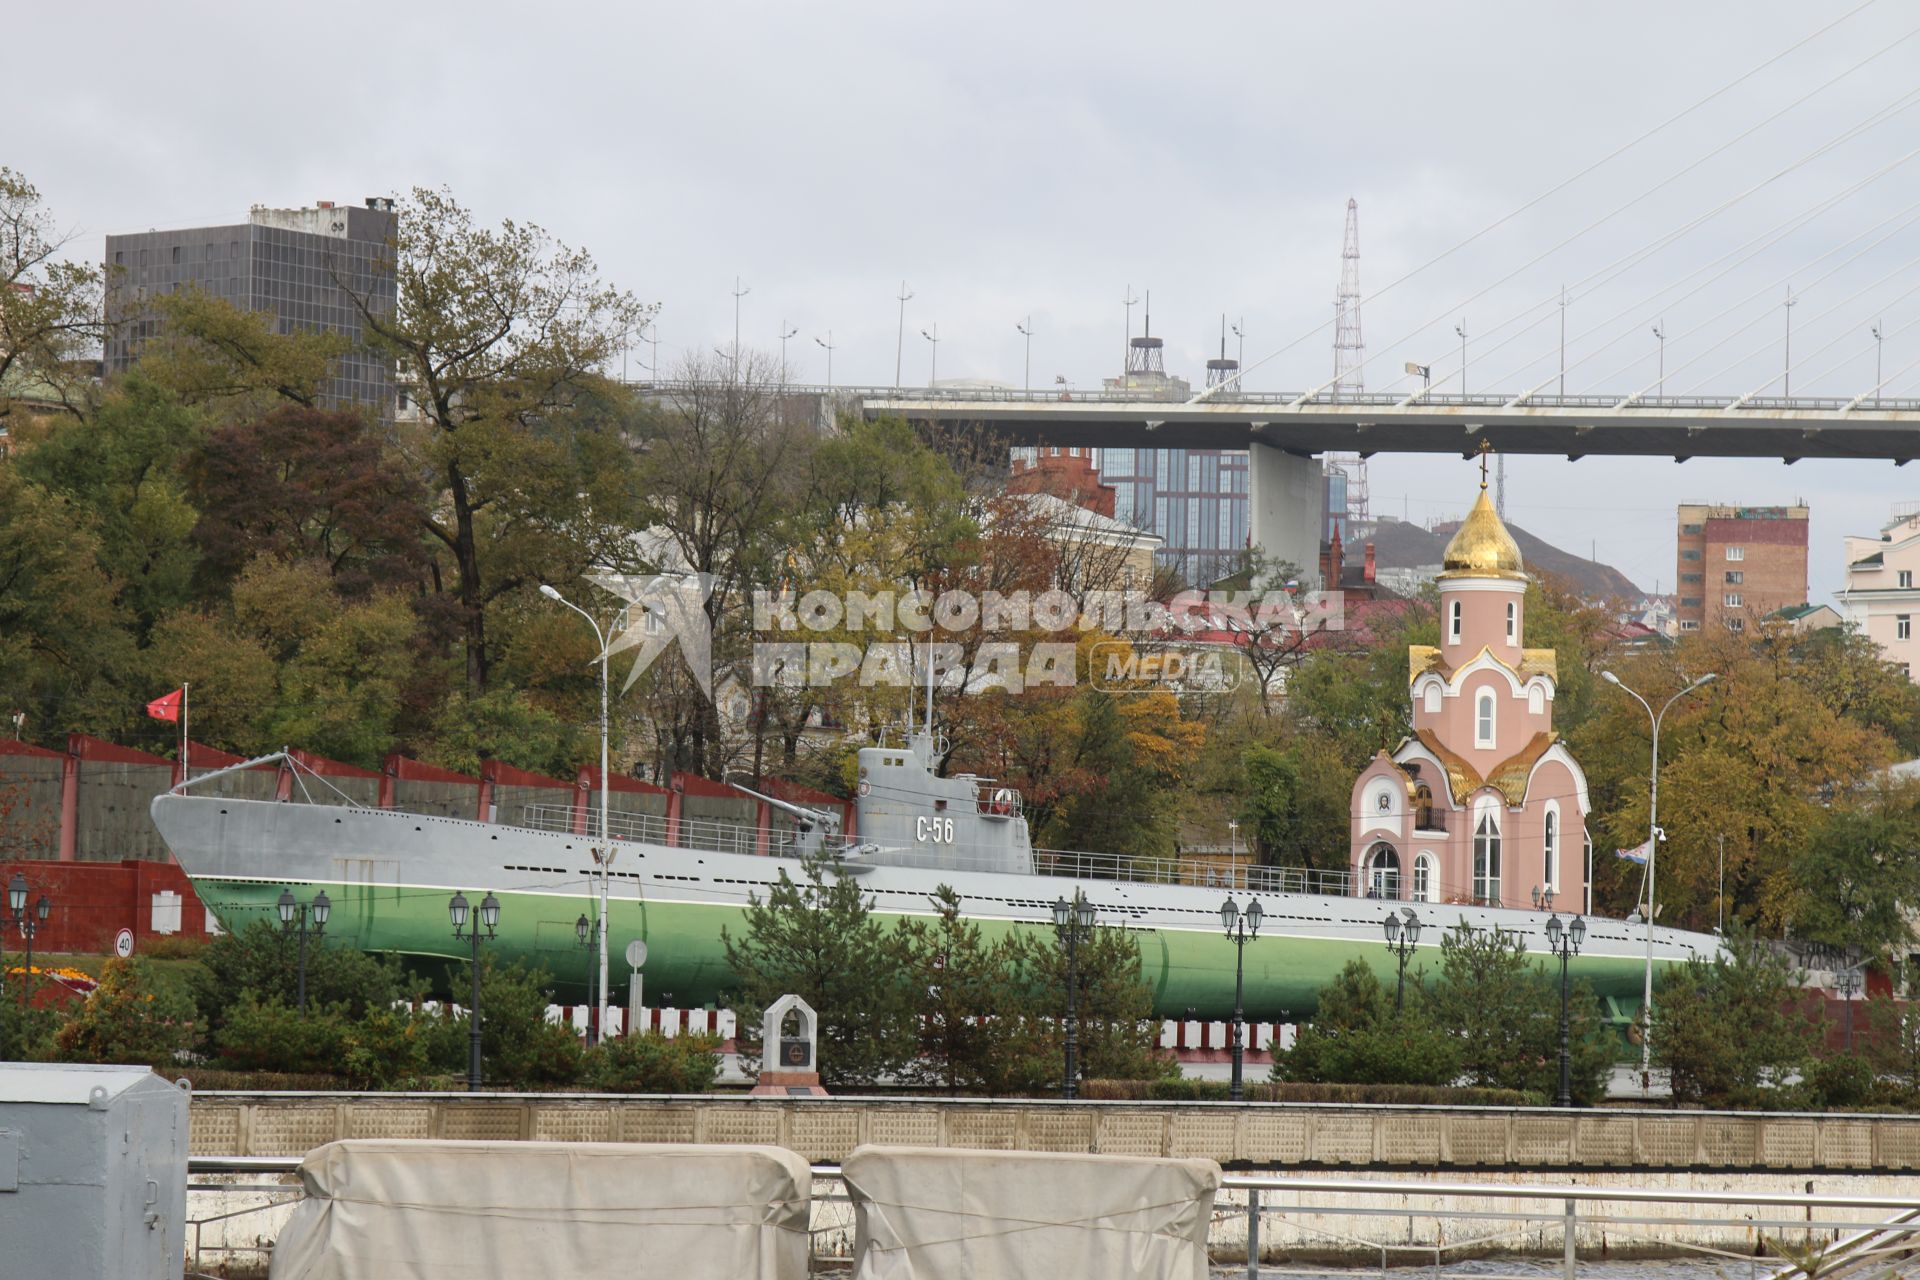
pixel 926 1214
pixel 386 1209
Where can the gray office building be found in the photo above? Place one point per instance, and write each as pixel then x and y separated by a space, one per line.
pixel 290 262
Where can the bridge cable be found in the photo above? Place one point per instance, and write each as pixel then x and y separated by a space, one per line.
pixel 1732 259
pixel 1675 176
pixel 1558 187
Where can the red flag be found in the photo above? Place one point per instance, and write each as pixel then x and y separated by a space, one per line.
pixel 167 706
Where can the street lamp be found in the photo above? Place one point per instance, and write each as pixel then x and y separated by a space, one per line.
pixel 489 916
pixel 826 345
pixel 1653 848
pixel 1026 331
pixel 933 336
pixel 785 333
pixel 1403 934
pixel 294 914
pixel 1241 926
pixel 1565 942
pixel 29 923
pixel 603 858
pixel 1848 983
pixel 1071 920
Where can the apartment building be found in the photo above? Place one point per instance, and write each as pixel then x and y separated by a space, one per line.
pixel 1879 598
pixel 1738 563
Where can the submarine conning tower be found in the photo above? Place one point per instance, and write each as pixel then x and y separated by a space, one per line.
pixel 911 817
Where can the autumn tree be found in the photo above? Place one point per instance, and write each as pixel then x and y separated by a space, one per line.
pixel 206 351
pixel 500 337
pixel 301 484
pixel 50 309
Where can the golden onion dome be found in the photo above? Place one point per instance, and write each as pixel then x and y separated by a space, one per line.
pixel 1482 548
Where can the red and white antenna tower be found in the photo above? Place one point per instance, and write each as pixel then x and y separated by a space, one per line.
pixel 1347 345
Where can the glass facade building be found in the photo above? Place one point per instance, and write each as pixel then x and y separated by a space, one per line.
pixel 304 266
pixel 1194 500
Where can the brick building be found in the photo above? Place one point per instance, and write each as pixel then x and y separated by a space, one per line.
pixel 1737 563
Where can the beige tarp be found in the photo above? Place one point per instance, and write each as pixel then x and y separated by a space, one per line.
pixel 387 1209
pixel 925 1214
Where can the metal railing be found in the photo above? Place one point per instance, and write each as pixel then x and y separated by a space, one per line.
pixel 729 837
pixel 1540 1216
pixel 1320 399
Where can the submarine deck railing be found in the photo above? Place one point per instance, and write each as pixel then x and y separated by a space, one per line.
pixel 709 836
pixel 1257 1197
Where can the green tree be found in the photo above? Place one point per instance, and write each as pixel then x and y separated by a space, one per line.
pixel 50 309
pixel 1857 881
pixel 271 1035
pixel 1118 1033
pixel 518 1046
pixel 260 963
pixel 1356 1037
pixel 970 1010
pixel 1505 1009
pixel 1726 1030
pixel 499 336
pixel 819 940
pixel 654 1063
pixel 210 352
pixel 66 652
pixel 130 1017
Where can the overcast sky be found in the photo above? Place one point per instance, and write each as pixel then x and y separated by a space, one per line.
pixel 1023 159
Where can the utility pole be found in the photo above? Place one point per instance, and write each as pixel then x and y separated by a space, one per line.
pixel 1660 332
pixel 1563 344
pixel 827 345
pixel 933 375
pixel 1126 347
pixel 1786 352
pixel 900 336
pixel 1240 332
pixel 1461 329
pixel 739 291
pixel 785 333
pixel 1026 331
pixel 1878 342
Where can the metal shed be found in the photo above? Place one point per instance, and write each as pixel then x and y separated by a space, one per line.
pixel 93 1171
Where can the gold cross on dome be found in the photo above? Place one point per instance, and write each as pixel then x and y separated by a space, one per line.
pixel 1486 448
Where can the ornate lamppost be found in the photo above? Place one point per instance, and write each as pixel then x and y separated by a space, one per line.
pixel 1403 933
pixel 295 915
pixel 489 916
pixel 1241 926
pixel 29 923
pixel 1071 920
pixel 1565 941
pixel 1847 982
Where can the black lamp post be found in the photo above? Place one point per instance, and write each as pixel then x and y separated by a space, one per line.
pixel 1848 982
pixel 295 915
pixel 1403 933
pixel 1240 926
pixel 583 937
pixel 489 917
pixel 29 923
pixel 1071 920
pixel 1565 942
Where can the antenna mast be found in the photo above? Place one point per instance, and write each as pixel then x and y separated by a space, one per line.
pixel 1225 367
pixel 1347 345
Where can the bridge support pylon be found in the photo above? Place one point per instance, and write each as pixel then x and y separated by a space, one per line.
pixel 1286 499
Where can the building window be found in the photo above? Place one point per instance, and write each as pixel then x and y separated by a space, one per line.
pixel 1736 576
pixel 1486 860
pixel 1483 721
pixel 1736 553
pixel 1550 847
pixel 1906 577
pixel 1693 528
pixel 1689 625
pixel 1692 577
pixel 1692 602
pixel 1513 620
pixel 1690 553
pixel 1903 626
pixel 1423 878
pixel 1453 623
pixel 1731 600
pixel 1422 809
pixel 1736 624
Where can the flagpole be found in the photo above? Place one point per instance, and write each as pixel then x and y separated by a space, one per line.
pixel 185 765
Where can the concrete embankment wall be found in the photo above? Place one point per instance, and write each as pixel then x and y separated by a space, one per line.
pixel 1254 1135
